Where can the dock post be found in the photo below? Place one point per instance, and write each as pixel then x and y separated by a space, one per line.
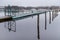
pixel 45 21
pixel 49 17
pixel 38 36
pixel 4 11
pixel 53 15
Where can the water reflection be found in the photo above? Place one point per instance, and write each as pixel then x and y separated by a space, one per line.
pixel 11 25
pixel 49 17
pixel 54 14
pixel 38 31
pixel 45 21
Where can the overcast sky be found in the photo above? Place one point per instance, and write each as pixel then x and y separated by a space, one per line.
pixel 30 2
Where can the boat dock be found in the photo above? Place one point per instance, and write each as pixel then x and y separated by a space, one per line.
pixel 14 16
pixel 21 15
pixel 5 18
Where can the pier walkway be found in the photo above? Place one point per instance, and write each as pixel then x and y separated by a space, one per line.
pixel 14 16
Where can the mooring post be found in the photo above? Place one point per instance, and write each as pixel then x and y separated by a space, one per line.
pixel 38 36
pixel 52 15
pixel 5 11
pixel 45 21
pixel 49 17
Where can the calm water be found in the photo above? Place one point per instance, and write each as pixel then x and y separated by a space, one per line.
pixel 26 29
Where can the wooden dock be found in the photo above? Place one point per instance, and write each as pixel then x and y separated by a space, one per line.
pixel 26 15
pixel 21 16
pixel 5 18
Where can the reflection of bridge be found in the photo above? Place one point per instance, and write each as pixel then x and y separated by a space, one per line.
pixel 12 17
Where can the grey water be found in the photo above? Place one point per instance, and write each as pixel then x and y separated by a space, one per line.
pixel 26 29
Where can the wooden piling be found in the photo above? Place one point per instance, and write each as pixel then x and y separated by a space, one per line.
pixel 45 21
pixel 50 17
pixel 38 33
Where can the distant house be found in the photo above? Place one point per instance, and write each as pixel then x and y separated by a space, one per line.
pixel 54 7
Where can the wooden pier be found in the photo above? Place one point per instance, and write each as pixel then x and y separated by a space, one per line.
pixel 5 18
pixel 12 16
pixel 21 16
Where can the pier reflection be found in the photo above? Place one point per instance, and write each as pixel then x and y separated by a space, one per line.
pixel 45 21
pixel 10 25
pixel 50 17
pixel 38 31
pixel 54 14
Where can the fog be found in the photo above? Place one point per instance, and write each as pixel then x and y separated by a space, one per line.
pixel 30 2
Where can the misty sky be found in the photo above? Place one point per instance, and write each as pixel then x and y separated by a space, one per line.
pixel 30 2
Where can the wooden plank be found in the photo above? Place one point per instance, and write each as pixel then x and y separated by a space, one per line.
pixel 5 18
